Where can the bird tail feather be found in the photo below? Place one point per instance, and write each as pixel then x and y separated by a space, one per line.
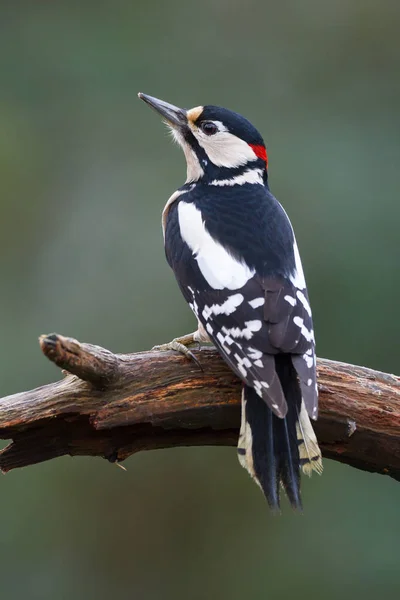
pixel 309 451
pixel 272 449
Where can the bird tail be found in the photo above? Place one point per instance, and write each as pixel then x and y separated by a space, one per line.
pixel 309 451
pixel 272 449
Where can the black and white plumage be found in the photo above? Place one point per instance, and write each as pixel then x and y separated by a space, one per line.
pixel 235 257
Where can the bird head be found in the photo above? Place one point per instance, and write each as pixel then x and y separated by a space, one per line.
pixel 219 144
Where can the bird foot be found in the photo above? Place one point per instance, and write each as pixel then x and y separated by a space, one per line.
pixel 180 344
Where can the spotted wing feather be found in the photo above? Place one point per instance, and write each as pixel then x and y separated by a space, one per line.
pixel 290 329
pixel 250 326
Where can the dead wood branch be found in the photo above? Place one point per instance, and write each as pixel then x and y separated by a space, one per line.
pixel 113 405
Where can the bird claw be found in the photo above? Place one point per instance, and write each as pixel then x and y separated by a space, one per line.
pixel 180 345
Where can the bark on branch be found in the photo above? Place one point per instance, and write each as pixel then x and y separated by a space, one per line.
pixel 113 405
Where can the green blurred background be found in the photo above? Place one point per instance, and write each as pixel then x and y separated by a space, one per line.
pixel 85 169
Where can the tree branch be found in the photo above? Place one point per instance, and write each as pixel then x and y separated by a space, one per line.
pixel 113 405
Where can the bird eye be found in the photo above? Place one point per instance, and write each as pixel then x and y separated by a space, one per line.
pixel 208 127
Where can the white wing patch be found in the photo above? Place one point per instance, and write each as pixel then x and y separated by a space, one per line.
pixel 246 332
pixel 257 302
pixel 218 267
pixel 290 299
pixel 297 278
pixel 226 341
pixel 309 335
pixel 259 385
pixel 243 363
pixel 304 301
pixel 254 354
pixel 226 308
pixel 309 360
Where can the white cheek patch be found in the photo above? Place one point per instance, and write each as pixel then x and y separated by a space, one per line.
pixel 218 267
pixel 225 149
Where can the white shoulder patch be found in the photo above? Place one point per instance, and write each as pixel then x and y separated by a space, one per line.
pixel 170 201
pixel 219 268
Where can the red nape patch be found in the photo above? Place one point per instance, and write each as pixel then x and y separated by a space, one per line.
pixel 261 152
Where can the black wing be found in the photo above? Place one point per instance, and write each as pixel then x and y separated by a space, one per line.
pixel 269 313
pixel 251 325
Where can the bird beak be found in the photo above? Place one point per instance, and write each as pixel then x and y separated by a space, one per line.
pixel 177 117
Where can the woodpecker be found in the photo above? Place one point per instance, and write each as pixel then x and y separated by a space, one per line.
pixel 234 254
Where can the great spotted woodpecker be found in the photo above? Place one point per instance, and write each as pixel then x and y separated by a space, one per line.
pixel 234 254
